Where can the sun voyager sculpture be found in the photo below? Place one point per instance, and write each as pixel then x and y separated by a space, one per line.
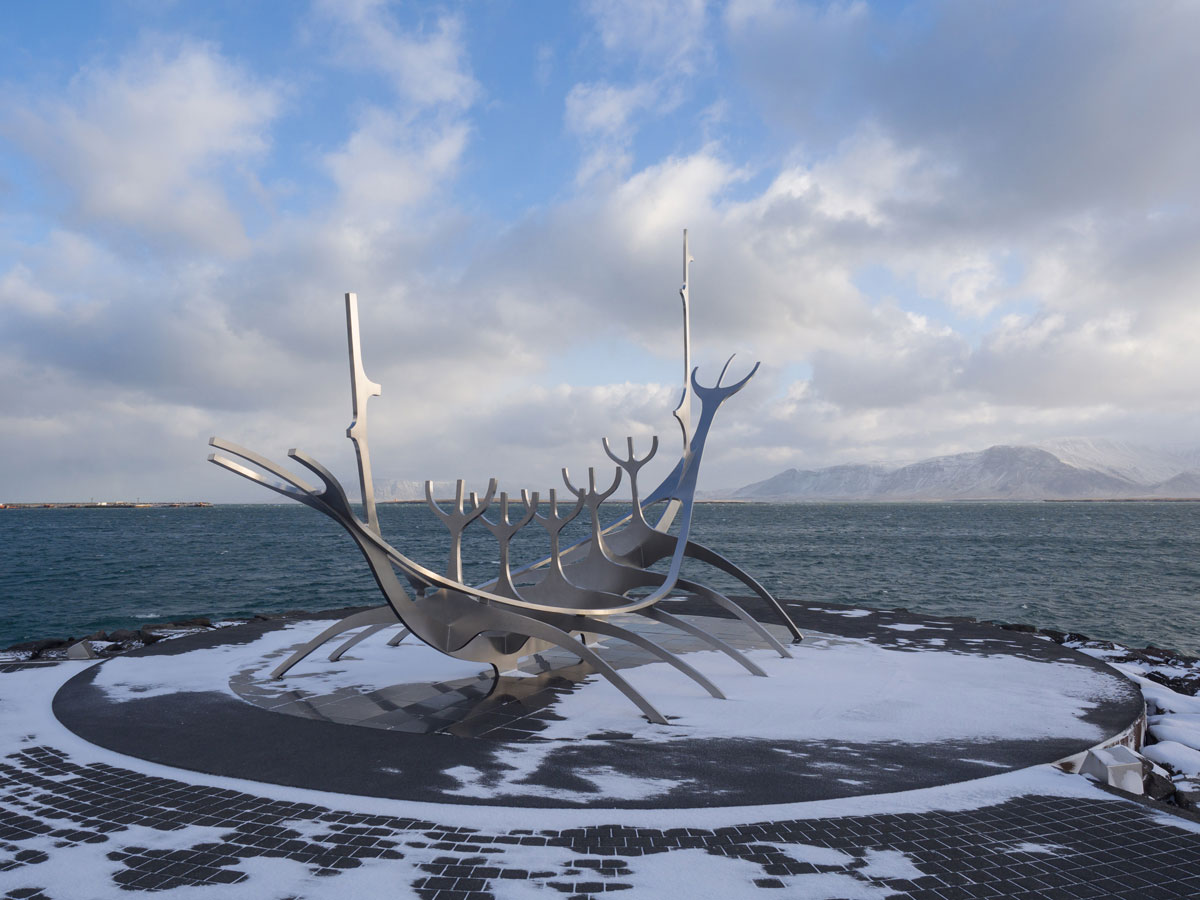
pixel 575 591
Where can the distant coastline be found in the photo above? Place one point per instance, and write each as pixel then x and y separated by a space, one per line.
pixel 112 504
pixel 1122 500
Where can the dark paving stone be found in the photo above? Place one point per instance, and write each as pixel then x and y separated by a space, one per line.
pixel 1098 847
pixel 478 730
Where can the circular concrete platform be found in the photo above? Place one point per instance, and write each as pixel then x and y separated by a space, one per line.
pixel 871 702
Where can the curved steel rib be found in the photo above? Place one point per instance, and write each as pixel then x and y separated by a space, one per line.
pixel 389 620
pixel 372 617
pixel 599 571
pixel 498 622
pixel 452 620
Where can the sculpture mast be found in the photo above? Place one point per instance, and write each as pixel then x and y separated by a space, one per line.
pixel 362 389
pixel 683 412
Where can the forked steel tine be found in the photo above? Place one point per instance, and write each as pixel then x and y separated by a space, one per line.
pixel 477 505
pixel 308 499
pixel 578 492
pixel 530 509
pixel 613 456
pixel 503 522
pixel 718 391
pixel 263 463
pixel 479 508
pixel 725 368
pixel 459 514
pixel 553 519
pixel 591 495
pixel 604 495
pixel 433 504
pixel 334 495
pixel 574 512
pixel 631 463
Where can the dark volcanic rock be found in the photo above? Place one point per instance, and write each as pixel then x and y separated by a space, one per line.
pixel 1020 626
pixel 1157 787
pixel 35 649
pixel 1189 800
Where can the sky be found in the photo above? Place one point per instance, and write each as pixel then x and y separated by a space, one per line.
pixel 938 225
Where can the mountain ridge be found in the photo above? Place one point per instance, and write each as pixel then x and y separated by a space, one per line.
pixel 1080 469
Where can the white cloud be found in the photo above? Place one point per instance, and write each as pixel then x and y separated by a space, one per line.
pixel 148 145
pixel 604 109
pixel 666 40
pixel 388 164
pixel 661 34
pixel 426 68
pixel 1031 286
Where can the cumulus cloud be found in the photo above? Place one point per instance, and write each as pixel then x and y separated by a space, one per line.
pixel 938 231
pixel 152 144
pixel 426 67
pixel 665 40
pixel 659 34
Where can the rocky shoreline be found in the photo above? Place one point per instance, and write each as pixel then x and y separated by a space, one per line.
pixel 101 644
pixel 1170 683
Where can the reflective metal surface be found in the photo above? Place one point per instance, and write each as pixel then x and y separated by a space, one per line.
pixel 580 588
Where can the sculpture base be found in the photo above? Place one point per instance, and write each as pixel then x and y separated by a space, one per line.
pixel 874 702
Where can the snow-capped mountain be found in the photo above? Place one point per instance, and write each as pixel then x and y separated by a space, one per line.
pixel 1076 469
pixel 1139 463
pixel 391 489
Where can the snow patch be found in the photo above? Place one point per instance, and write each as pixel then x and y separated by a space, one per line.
pixel 890 865
pixel 1176 756
pixel 1035 848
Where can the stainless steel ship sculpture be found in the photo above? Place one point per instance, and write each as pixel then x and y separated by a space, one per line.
pixel 575 591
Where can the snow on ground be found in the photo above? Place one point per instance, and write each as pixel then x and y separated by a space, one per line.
pixel 1178 757
pixel 699 874
pixel 1181 727
pixel 128 677
pixel 1036 849
pixel 370 666
pixel 866 693
pixel 25 699
pixel 849 690
pixel 1174 720
pixel 75 872
pixel 375 666
pixel 843 690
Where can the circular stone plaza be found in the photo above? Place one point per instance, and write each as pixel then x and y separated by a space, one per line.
pixel 891 755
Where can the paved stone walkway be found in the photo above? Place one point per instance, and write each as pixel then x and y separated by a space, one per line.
pixel 161 833
pixel 80 823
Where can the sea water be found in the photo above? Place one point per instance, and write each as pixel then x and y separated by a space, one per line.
pixel 1128 572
